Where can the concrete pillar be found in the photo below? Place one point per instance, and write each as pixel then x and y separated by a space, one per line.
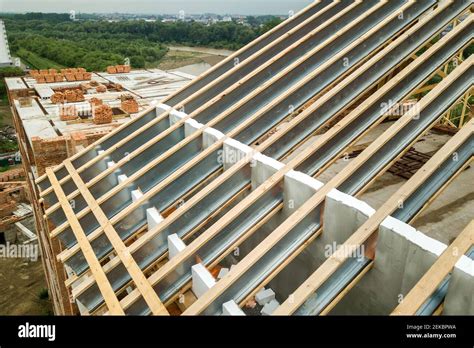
pixel 202 280
pixel 153 218
pixel 211 136
pixel 136 195
pixel 161 108
pixel 232 309
pixel 191 126
pixel 343 215
pixel 176 116
pixel 297 189
pixel 175 245
pixel 264 167
pixel 233 152
pixel 122 178
pixel 422 253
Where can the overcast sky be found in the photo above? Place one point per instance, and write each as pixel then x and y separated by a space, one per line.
pixel 246 7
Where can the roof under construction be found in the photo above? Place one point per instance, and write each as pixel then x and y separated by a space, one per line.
pixel 213 201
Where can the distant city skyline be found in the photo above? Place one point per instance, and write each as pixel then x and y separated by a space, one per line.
pixel 221 7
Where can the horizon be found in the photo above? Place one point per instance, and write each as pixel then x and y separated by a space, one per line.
pixel 162 7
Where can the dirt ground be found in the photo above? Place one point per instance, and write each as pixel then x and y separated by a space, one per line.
pixel 5 116
pixel 23 288
pixel 177 59
pixel 21 283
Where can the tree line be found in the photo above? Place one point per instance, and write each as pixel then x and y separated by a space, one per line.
pixel 95 44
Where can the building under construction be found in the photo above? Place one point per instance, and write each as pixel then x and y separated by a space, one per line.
pixel 5 56
pixel 325 159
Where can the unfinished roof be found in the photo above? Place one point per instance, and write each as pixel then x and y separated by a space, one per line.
pixel 197 204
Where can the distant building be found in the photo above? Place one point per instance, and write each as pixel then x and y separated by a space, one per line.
pixel 5 56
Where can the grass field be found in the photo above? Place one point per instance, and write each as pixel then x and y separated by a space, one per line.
pixel 35 61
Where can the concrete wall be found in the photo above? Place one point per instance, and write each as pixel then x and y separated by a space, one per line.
pixel 403 255
pixel 460 297
pixel 342 216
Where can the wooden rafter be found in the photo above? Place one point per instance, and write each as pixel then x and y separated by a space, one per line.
pixel 86 248
pixel 122 251
pixel 432 279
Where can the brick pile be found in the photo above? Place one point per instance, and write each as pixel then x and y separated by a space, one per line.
pixel 102 114
pixel 7 205
pixel 96 101
pixel 57 98
pixel 76 74
pixel 101 89
pixel 49 152
pixel 128 104
pixel 118 69
pixel 52 75
pixel 67 113
pixel 69 96
pixel 12 175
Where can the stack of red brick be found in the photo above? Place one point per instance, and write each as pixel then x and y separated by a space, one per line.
pixel 102 114
pixel 51 152
pixel 69 96
pixel 67 113
pixel 118 69
pixel 129 104
pixel 52 75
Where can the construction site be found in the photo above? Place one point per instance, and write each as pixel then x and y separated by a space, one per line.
pixel 323 169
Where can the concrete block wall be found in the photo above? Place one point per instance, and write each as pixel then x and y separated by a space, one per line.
pixel 297 189
pixel 233 151
pixel 403 256
pixel 210 136
pixel 342 216
pixel 460 296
